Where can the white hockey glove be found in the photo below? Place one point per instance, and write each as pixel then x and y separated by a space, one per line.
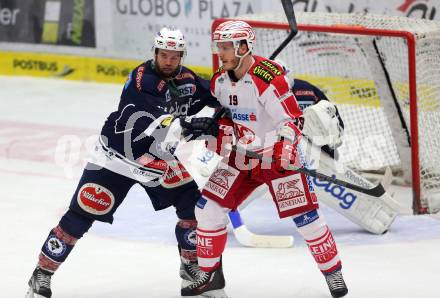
pixel 321 124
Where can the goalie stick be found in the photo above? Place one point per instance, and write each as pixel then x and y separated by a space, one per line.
pixel 247 238
pixel 376 191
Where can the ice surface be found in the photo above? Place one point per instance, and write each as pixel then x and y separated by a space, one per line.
pixel 137 255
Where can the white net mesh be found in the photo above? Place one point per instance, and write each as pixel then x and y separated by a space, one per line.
pixel 349 69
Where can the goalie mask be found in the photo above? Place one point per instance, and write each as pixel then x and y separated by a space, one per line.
pixel 235 32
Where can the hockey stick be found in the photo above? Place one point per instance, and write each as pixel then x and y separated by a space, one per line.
pixel 376 191
pixel 290 15
pixel 247 238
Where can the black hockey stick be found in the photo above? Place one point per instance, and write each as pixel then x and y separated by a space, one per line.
pixel 290 15
pixel 376 191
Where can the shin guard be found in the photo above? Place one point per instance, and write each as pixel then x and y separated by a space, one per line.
pixel 210 246
pixel 55 249
pixel 186 238
pixel 320 240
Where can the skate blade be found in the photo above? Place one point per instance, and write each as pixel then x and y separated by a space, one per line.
pixel 215 294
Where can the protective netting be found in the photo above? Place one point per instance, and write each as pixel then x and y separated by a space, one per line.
pixel 349 69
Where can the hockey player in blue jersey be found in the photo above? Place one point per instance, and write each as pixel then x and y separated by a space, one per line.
pixel 136 146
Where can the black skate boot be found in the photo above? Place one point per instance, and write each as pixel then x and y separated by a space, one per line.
pixel 189 271
pixel 336 284
pixel 39 284
pixel 208 284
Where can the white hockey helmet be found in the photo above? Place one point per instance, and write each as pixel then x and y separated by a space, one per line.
pixel 170 39
pixel 234 31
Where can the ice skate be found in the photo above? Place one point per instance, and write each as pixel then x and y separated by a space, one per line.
pixel 189 272
pixel 336 284
pixel 39 284
pixel 208 284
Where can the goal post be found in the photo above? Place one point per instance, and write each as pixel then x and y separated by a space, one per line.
pixel 384 74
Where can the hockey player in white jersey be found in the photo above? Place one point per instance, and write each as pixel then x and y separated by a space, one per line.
pixel 264 118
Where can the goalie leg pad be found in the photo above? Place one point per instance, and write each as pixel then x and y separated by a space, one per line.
pixel 319 239
pixel 373 214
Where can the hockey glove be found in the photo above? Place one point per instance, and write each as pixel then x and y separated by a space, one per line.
pixel 284 154
pixel 225 136
pixel 195 128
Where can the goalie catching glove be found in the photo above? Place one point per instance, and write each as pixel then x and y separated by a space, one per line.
pixel 321 124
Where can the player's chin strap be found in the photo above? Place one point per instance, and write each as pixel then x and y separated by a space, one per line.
pixel 376 191
pixel 240 61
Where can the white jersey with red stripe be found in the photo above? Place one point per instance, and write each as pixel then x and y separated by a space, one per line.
pixel 261 103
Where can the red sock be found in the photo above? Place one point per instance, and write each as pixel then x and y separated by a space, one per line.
pixel 210 246
pixel 325 252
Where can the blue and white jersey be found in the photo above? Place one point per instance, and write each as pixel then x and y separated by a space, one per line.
pixel 149 104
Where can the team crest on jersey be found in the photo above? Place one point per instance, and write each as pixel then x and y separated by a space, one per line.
pixel 289 192
pixel 221 180
pixel 244 134
pixel 95 199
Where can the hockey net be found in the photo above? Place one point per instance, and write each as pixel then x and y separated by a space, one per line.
pixel 384 75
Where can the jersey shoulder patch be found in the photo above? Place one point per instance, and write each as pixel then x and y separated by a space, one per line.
pixel 264 72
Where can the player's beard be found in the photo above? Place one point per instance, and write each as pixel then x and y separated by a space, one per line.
pixel 166 72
